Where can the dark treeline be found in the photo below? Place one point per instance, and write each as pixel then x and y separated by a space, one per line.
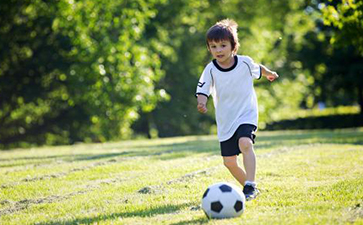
pixel 93 71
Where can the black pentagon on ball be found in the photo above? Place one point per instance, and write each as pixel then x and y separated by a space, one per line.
pixel 205 193
pixel 216 206
pixel 225 188
pixel 238 206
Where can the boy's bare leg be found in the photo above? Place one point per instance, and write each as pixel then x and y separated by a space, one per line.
pixel 232 164
pixel 249 158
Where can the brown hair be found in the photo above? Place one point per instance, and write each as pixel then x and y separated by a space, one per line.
pixel 224 30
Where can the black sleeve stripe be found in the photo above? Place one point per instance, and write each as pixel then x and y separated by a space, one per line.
pixel 260 74
pixel 211 75
pixel 248 68
pixel 200 93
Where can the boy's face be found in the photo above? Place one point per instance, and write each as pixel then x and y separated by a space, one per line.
pixel 221 51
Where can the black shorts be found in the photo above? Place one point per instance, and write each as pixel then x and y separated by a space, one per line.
pixel 230 147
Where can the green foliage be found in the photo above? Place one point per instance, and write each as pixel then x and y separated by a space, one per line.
pixel 335 67
pixel 75 70
pixel 347 17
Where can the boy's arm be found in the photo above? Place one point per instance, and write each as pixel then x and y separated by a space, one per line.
pixel 202 103
pixel 270 75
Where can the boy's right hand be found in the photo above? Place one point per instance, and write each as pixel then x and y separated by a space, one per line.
pixel 202 103
pixel 202 108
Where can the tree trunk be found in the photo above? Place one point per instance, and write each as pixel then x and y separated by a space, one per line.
pixel 360 99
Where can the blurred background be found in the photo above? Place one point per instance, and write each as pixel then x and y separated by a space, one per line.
pixel 95 71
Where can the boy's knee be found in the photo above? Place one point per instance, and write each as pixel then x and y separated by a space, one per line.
pixel 245 144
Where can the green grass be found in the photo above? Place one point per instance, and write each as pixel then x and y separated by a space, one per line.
pixel 305 177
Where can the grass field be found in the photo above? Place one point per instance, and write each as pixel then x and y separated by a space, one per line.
pixel 305 177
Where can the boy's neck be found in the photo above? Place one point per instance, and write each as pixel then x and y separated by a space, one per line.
pixel 227 64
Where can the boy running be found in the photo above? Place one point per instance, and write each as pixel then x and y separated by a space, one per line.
pixel 229 79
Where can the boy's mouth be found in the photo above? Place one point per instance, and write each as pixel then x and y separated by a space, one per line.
pixel 220 56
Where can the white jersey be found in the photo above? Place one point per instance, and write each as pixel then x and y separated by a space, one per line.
pixel 233 94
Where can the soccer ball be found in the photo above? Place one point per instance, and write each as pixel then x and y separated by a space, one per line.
pixel 223 200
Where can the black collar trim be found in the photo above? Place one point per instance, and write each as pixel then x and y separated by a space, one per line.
pixel 226 69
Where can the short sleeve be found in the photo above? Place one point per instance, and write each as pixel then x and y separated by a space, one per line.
pixel 254 68
pixel 205 82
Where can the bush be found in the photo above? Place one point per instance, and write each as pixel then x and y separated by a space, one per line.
pixel 318 122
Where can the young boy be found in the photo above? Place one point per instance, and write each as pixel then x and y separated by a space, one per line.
pixel 229 79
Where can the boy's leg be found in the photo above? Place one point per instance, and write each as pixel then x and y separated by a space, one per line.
pixel 249 158
pixel 232 164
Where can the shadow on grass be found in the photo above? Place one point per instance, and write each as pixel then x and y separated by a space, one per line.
pixel 182 149
pixel 166 209
pixel 42 160
pixel 158 151
pixel 194 221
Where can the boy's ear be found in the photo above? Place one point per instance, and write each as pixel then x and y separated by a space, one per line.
pixel 208 48
pixel 234 51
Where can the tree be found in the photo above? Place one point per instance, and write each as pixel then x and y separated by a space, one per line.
pixel 331 54
pixel 74 70
pixel 346 16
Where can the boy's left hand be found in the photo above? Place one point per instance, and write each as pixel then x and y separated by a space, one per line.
pixel 272 76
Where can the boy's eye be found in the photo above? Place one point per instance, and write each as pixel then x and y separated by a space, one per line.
pixel 224 46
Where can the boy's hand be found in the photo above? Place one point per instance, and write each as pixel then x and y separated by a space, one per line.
pixel 202 103
pixel 202 108
pixel 272 76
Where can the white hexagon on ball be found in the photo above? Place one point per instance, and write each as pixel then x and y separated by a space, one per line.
pixel 223 200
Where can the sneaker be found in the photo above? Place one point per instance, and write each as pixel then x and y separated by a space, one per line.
pixel 250 192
